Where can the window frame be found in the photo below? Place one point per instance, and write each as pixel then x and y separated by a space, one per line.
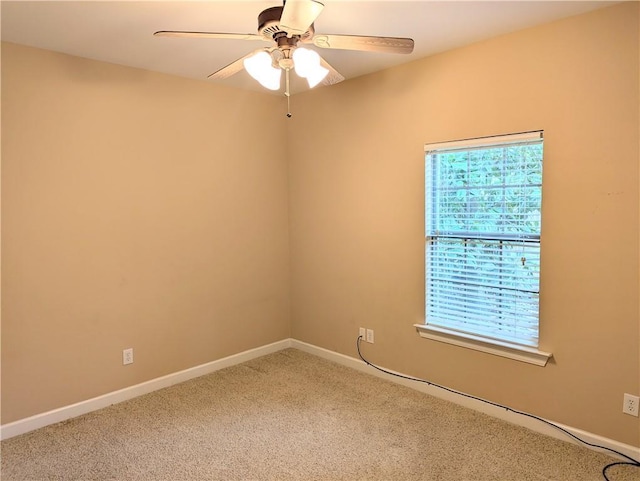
pixel 469 339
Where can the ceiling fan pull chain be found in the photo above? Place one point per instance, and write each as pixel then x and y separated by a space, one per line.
pixel 286 92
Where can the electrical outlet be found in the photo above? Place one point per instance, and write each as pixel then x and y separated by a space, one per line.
pixel 370 336
pixel 127 356
pixel 630 405
pixel 362 333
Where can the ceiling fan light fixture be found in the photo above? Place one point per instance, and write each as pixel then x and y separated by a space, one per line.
pixel 287 26
pixel 307 65
pixel 259 66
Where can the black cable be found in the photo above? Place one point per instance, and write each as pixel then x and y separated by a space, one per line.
pixel 631 462
pixel 619 463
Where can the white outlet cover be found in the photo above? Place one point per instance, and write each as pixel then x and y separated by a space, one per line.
pixel 370 335
pixel 127 356
pixel 631 404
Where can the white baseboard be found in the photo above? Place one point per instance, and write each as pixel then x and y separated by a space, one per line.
pixel 67 412
pixel 476 405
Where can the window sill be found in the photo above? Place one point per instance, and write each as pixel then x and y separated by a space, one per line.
pixel 497 348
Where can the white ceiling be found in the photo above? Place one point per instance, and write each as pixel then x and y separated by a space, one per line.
pixel 121 32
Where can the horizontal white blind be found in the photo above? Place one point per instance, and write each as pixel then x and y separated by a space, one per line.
pixel 483 204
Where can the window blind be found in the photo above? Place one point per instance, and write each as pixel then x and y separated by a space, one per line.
pixel 482 220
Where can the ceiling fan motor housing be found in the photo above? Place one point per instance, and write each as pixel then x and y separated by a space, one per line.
pixel 269 25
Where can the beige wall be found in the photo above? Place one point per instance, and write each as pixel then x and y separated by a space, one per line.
pixel 357 207
pixel 139 210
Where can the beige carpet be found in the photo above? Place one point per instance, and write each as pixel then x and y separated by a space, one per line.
pixel 293 416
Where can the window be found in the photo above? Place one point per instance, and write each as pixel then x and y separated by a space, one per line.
pixel 482 253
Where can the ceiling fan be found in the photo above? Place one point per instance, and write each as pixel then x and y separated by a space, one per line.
pixel 289 28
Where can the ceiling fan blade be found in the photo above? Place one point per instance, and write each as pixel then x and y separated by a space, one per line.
pixel 231 69
pixel 367 44
pixel 333 77
pixel 230 36
pixel 298 15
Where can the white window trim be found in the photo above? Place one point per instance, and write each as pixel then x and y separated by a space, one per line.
pixel 501 348
pixel 526 354
pixel 484 141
